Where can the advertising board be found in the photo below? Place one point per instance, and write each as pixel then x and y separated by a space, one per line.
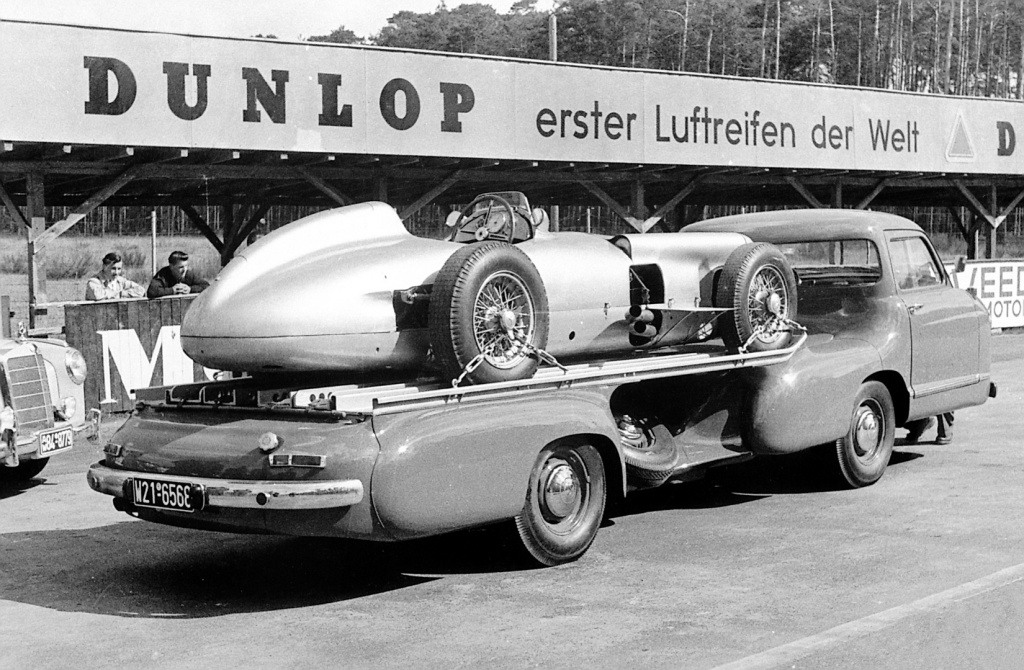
pixel 104 86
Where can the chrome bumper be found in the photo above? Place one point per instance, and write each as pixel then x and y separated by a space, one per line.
pixel 240 493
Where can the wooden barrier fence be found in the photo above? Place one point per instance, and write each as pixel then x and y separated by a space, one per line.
pixel 129 344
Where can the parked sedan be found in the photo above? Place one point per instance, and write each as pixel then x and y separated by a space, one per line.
pixel 42 405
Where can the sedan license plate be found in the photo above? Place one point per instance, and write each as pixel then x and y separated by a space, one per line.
pixel 173 496
pixel 55 440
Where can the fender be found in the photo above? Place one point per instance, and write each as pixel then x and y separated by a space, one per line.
pixel 469 464
pixel 807 400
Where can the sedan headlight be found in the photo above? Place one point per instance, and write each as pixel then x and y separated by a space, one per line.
pixel 74 361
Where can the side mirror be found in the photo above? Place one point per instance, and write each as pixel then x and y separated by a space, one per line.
pixel 961 264
pixel 452 219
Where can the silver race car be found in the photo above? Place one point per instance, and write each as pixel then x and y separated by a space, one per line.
pixel 350 290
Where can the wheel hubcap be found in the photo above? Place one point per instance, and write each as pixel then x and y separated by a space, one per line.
pixel 867 431
pixel 503 320
pixel 560 492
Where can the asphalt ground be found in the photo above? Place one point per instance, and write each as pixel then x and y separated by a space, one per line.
pixel 763 565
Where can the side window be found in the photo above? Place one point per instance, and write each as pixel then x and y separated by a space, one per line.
pixel 912 263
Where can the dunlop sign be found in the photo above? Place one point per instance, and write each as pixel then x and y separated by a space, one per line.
pixel 77 85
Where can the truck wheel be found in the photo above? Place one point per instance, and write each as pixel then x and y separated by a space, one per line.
pixel 488 299
pixel 759 286
pixel 564 503
pixel 24 471
pixel 863 453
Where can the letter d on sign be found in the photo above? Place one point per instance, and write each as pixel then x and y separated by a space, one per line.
pixel 99 101
pixel 1007 138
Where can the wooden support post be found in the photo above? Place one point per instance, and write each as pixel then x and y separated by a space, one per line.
pixel 427 197
pixel 879 187
pixel 990 230
pixel 15 213
pixel 36 201
pixel 973 237
pixel 380 188
pixel 837 194
pixel 325 188
pixel 807 195
pixel 636 201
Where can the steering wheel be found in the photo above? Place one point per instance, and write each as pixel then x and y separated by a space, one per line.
pixel 496 222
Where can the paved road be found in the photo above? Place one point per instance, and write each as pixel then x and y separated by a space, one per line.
pixel 761 566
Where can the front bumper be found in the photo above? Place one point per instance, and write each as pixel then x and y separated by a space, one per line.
pixel 241 494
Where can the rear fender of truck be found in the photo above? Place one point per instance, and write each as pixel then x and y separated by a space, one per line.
pixel 223 444
pixel 466 465
pixel 807 400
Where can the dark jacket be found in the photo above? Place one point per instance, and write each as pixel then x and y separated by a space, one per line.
pixel 164 281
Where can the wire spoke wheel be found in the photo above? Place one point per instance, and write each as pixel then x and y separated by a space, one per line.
pixel 488 314
pixel 503 320
pixel 758 286
pixel 767 301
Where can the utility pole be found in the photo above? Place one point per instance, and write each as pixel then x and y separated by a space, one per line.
pixel 553 56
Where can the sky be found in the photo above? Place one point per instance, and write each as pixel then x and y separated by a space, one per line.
pixel 287 19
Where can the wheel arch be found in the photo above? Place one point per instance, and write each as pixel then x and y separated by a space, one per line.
pixel 897 387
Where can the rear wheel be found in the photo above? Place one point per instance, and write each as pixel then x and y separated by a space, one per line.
pixel 488 302
pixel 759 286
pixel 24 471
pixel 864 452
pixel 564 503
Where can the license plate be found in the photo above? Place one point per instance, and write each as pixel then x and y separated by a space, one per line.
pixel 174 496
pixel 55 440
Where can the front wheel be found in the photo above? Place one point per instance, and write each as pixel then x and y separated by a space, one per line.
pixel 564 503
pixel 864 452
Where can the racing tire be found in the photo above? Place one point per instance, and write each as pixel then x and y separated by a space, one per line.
pixel 758 286
pixel 863 453
pixel 24 471
pixel 565 503
pixel 488 299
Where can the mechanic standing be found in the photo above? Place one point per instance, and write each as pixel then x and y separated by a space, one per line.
pixel 175 278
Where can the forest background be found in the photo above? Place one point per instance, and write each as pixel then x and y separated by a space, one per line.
pixel 945 47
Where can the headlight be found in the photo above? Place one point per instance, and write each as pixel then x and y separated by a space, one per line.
pixel 68 408
pixel 74 361
pixel 6 418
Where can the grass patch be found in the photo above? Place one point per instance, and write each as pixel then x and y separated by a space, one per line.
pixel 79 257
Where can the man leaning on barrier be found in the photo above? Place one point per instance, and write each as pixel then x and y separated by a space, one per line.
pixel 175 278
pixel 110 282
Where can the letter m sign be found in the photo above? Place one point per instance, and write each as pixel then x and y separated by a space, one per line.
pixel 135 367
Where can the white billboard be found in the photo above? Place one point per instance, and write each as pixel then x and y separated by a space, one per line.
pixel 79 85
pixel 999 286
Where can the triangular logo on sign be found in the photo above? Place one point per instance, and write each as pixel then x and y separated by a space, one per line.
pixel 960 148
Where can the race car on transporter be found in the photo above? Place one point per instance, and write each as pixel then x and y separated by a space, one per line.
pixel 352 291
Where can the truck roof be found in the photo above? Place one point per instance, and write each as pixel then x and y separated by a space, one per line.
pixel 794 225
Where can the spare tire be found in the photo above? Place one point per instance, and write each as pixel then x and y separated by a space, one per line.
pixel 759 287
pixel 488 299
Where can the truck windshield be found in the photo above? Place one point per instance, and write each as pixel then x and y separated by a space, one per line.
pixel 834 261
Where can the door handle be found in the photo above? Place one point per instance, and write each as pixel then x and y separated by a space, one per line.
pixel 913 308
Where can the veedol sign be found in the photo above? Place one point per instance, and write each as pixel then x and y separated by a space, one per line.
pixel 77 85
pixel 1000 287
